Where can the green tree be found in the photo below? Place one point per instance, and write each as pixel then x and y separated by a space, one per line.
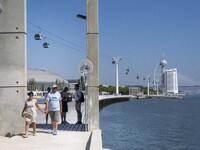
pixel 60 84
pixel 124 90
pixel 63 84
pixel 31 85
pixel 144 90
pixel 43 88
pixel 81 82
pixel 111 89
pixel 103 89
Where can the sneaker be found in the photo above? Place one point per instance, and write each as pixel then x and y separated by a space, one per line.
pixel 55 132
pixel 25 136
pixel 52 132
pixel 34 134
pixel 65 122
pixel 79 122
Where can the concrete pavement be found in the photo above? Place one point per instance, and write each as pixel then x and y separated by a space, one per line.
pixel 46 141
pixel 65 140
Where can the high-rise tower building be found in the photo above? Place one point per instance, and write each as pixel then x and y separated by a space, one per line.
pixel 163 63
pixel 171 81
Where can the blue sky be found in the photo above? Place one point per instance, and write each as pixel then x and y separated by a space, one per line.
pixel 139 31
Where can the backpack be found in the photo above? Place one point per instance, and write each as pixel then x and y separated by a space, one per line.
pixel 82 99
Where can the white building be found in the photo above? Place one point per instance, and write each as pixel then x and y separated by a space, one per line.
pixel 43 79
pixel 171 81
pixel 72 83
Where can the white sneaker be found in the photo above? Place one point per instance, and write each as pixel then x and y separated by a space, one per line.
pixel 55 132
pixel 52 132
pixel 25 136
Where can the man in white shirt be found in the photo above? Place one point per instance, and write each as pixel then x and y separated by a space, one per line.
pixel 54 107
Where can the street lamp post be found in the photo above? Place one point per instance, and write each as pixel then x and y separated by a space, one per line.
pixel 115 60
pixel 148 87
pixel 148 81
pixel 157 84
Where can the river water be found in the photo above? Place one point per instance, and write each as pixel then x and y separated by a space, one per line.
pixel 152 124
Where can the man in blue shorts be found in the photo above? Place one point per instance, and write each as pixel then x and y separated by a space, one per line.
pixel 54 107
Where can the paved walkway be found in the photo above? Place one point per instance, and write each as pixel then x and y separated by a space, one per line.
pixel 70 136
pixel 44 140
pixel 71 119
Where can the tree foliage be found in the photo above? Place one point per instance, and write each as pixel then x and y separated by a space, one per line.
pixel 112 89
pixel 124 90
pixel 31 85
pixel 60 84
pixel 144 90
pixel 81 82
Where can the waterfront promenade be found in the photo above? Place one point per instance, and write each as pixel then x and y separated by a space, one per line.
pixel 70 136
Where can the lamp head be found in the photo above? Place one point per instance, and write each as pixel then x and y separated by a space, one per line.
pixel 81 16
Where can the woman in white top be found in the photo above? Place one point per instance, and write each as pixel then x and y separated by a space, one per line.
pixel 30 106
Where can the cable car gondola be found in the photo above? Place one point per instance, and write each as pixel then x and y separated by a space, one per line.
pixel 45 45
pixel 38 36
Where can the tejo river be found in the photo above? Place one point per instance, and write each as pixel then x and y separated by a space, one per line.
pixel 152 124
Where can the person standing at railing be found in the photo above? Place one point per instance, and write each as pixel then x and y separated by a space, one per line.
pixel 77 97
pixel 65 99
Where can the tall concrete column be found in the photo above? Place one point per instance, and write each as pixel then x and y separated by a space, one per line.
pixel 13 80
pixel 93 56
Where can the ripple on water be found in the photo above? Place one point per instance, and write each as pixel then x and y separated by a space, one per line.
pixel 152 124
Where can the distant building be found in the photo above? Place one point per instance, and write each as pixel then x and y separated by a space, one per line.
pixel 165 80
pixel 134 90
pixel 41 79
pixel 171 81
pixel 72 83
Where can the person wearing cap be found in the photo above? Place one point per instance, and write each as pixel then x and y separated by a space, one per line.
pixel 45 96
pixel 54 107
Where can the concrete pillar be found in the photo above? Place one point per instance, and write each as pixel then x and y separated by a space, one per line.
pixel 12 65
pixel 93 56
